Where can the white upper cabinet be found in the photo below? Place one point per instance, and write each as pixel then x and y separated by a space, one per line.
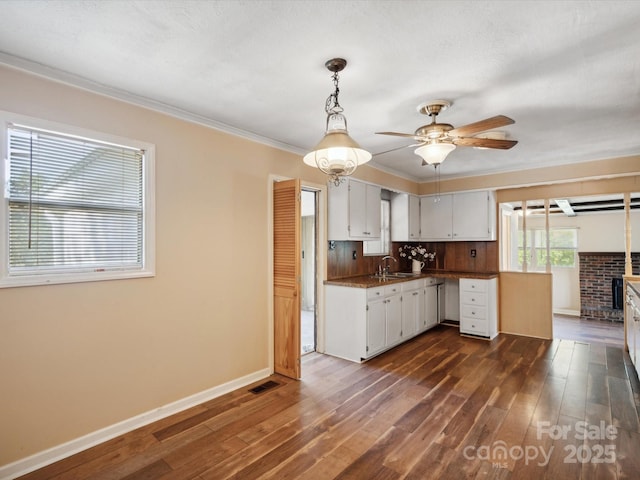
pixel 354 211
pixel 474 216
pixel 405 217
pixel 436 218
pixel 458 216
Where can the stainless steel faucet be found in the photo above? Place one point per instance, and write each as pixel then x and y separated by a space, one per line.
pixel 384 270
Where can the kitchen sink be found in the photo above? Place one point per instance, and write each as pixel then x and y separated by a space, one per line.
pixel 395 275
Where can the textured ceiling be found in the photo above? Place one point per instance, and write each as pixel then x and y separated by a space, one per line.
pixel 568 73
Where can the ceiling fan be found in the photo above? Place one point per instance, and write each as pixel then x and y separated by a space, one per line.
pixel 437 140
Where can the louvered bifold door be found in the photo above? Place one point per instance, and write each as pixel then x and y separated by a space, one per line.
pixel 286 277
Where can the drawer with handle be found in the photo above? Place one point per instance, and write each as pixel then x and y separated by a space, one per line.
pixel 474 327
pixel 474 311
pixel 473 285
pixel 473 298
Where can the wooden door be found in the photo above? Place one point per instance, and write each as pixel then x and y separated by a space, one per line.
pixel 286 277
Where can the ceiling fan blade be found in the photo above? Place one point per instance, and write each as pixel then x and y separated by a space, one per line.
pixel 484 142
pixel 389 151
pixel 481 126
pixel 398 148
pixel 396 134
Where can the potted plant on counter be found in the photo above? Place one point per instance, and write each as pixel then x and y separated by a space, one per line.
pixel 418 256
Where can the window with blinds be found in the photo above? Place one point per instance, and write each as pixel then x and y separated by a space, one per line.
pixel 73 205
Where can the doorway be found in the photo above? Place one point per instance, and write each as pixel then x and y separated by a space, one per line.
pixel 309 265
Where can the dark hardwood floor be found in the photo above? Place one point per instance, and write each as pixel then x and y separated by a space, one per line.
pixel 588 331
pixel 440 406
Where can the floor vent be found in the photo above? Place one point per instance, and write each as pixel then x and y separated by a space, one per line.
pixel 264 386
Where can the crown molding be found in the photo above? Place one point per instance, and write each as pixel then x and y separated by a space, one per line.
pixel 77 81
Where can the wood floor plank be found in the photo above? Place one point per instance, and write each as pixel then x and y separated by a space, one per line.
pixel 516 423
pixel 432 463
pixel 623 411
pixel 628 460
pixel 532 465
pixel 561 464
pixel 550 399
pixel 412 447
pixel 615 362
pixel 598 386
pixel 150 472
pixel 460 425
pixel 599 467
pixel 574 399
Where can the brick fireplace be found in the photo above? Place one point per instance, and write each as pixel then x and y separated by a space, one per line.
pixel 597 273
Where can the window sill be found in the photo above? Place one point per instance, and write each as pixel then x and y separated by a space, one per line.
pixel 38 280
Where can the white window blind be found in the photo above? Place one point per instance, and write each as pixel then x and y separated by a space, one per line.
pixel 74 204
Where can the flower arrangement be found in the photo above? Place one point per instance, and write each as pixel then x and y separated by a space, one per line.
pixel 418 253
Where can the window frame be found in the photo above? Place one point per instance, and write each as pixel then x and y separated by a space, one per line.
pixel 384 240
pixel 536 249
pixel 148 206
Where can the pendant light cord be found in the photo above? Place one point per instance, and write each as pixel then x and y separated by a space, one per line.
pixel 332 105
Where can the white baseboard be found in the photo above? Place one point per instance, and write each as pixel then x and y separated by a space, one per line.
pixel 54 454
pixel 566 311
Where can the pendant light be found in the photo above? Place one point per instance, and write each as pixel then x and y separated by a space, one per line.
pixel 338 155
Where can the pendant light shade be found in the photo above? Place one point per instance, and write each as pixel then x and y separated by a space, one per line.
pixel 338 155
pixel 435 153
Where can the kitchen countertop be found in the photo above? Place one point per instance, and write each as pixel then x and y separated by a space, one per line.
pixel 366 281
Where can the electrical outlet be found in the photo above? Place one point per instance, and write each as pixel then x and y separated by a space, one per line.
pixel 473 253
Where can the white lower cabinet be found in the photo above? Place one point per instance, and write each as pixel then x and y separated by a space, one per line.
pixel 393 312
pixel 376 326
pixel 430 305
pixel 478 307
pixel 363 322
pixel 632 324
pixel 412 307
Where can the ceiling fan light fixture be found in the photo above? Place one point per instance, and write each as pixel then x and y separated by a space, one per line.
pixel 337 154
pixel 435 153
